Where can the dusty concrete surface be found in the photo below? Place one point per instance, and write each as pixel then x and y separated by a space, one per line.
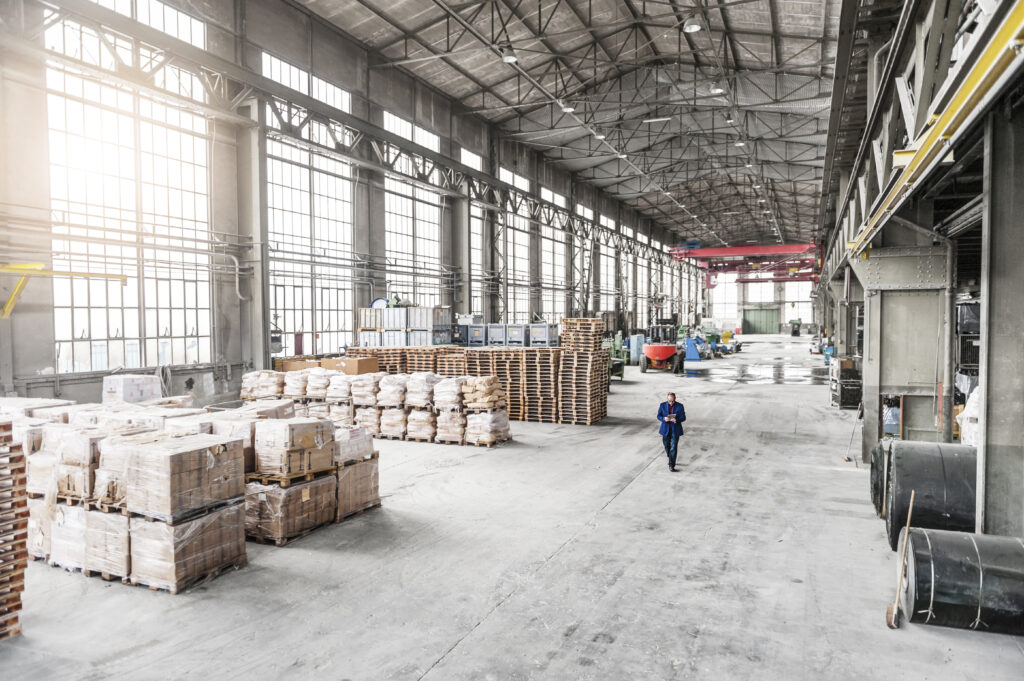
pixel 571 553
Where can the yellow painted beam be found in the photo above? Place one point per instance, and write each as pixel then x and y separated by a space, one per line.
pixel 993 62
pixel 33 269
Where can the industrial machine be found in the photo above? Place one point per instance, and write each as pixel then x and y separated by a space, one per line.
pixel 660 349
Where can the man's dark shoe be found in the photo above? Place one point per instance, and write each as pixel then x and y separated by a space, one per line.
pixel 673 469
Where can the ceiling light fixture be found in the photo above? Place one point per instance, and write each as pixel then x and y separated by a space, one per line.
pixel 739 143
pixel 750 165
pixel 621 155
pixel 660 119
pixel 598 134
pixel 568 108
pixel 756 186
pixel 508 55
pixel 716 88
pixel 729 119
pixel 692 25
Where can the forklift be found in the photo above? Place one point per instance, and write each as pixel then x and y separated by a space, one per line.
pixel 660 350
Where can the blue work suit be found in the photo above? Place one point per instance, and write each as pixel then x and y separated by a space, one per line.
pixel 669 431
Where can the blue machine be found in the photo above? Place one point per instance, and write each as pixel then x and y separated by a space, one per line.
pixel 693 349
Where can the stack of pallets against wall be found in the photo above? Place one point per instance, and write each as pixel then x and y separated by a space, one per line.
pixel 540 384
pixel 13 530
pixel 421 359
pixel 583 372
pixel 451 364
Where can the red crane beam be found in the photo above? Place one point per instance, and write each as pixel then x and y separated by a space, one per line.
pixel 680 253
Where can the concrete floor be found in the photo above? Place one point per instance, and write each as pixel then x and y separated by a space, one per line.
pixel 571 553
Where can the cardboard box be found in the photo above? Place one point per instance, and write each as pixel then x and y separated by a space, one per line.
pixel 358 487
pixel 352 366
pixel 174 557
pixel 288 461
pixel 106 543
pixel 67 539
pixel 278 513
pixel 131 388
pixel 74 481
pixel 296 433
pixel 172 477
pixel 298 364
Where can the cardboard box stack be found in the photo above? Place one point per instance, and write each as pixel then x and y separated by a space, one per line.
pixel 131 388
pixel 14 519
pixel 296 446
pixel 263 383
pixel 278 514
pixel 354 444
pixel 358 486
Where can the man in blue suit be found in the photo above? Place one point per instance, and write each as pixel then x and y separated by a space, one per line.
pixel 671 414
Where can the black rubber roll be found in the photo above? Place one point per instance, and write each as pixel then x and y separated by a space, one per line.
pixel 963 580
pixel 880 474
pixel 943 475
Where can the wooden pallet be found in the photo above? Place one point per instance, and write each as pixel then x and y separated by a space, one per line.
pixel 353 462
pixel 382 436
pixel 489 445
pixel 361 511
pixel 284 541
pixel 288 479
pixel 449 442
pixel 191 514
pixel 485 410
pixel 192 582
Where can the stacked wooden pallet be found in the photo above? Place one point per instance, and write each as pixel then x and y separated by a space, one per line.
pixel 540 384
pixel 480 361
pixel 360 351
pixel 451 364
pixel 13 530
pixel 421 359
pixel 583 387
pixel 508 367
pixel 582 334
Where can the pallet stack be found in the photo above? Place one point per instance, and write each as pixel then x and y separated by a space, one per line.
pixel 295 488
pixel 540 384
pixel 582 334
pixel 13 530
pixel 508 367
pixel 420 359
pixel 583 387
pixel 452 364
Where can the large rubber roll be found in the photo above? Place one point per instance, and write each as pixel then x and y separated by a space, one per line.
pixel 880 474
pixel 943 475
pixel 963 580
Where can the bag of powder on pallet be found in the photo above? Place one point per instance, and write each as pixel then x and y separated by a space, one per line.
pixel 392 390
pixel 448 393
pixel 365 388
pixel 419 391
pixel 392 422
pixel 451 426
pixel 421 425
pixel 369 419
pixel 488 428
pixel 340 387
pixel 318 381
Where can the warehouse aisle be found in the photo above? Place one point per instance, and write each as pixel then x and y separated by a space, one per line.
pixel 571 553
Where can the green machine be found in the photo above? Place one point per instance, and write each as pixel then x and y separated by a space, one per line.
pixel 618 356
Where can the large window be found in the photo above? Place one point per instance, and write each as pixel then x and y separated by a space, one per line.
pixel 724 308
pixel 798 302
pixel 609 282
pixel 412 222
pixel 760 292
pixel 129 189
pixel 476 241
pixel 553 256
pixel 514 245
pixel 309 221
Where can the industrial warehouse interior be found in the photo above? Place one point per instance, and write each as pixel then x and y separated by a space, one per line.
pixel 511 339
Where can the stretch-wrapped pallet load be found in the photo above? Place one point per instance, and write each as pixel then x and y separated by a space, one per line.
pixel 175 557
pixel 317 382
pixel 237 425
pixel 295 383
pixel 483 392
pixel 131 388
pixel 342 413
pixel 62 413
pixel 368 418
pixel 276 514
pixel 262 383
pixel 448 393
pixel 419 390
pixel 173 401
pixel 269 409
pixel 488 428
pixel 190 425
pixel 354 444
pixel 172 478
pixel 29 432
pixel 28 406
pixel 89 540
pixel 340 387
pixel 40 521
pixel 421 425
pixel 358 487
pixel 296 445
pixel 451 427
pixel 392 390
pixel 365 388
pixel 392 423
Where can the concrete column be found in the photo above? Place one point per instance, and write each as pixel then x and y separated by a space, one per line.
pixel 1001 451
pixel 251 164
pixel 460 256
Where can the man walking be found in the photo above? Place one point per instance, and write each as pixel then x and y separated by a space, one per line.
pixel 671 414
